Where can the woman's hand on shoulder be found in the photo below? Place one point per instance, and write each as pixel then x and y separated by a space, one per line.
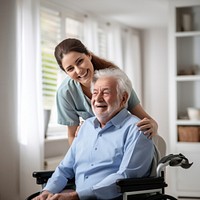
pixel 148 126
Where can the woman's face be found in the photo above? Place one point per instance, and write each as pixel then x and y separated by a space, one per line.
pixel 79 67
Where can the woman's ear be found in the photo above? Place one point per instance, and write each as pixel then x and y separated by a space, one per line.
pixel 89 55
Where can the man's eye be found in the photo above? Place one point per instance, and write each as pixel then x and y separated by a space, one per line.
pixel 106 93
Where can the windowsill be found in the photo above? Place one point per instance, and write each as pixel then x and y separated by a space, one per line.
pixel 55 146
pixel 56 133
pixel 55 138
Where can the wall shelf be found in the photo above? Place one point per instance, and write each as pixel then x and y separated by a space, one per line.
pixel 188 78
pixel 187 122
pixel 184 89
pixel 187 34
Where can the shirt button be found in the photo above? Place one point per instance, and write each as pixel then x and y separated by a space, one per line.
pixel 92 164
pixel 86 177
pixel 95 149
pixel 100 135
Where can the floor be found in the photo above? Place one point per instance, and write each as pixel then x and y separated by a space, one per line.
pixel 187 199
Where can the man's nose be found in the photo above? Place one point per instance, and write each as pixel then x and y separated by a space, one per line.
pixel 99 97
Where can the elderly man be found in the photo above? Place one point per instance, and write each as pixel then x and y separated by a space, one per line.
pixel 108 147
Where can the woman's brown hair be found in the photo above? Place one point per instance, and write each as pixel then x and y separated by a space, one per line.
pixel 72 44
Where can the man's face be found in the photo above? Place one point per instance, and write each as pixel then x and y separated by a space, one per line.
pixel 106 102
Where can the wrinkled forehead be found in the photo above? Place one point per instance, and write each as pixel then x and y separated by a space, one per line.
pixel 106 82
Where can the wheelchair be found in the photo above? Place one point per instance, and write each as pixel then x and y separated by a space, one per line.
pixel 146 188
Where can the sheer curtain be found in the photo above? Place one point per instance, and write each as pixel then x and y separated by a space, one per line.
pixel 124 50
pixel 113 35
pixel 132 59
pixel 30 111
pixel 91 34
pixel 114 44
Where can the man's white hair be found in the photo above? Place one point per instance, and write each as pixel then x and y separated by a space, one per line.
pixel 123 82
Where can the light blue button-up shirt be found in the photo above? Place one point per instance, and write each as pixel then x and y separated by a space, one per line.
pixel 99 156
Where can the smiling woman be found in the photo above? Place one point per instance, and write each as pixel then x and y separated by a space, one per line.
pixel 73 95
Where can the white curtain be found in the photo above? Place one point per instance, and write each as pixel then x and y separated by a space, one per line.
pixel 91 34
pixel 132 60
pixel 114 44
pixel 30 111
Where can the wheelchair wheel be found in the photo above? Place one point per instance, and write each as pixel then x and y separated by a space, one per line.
pixel 161 197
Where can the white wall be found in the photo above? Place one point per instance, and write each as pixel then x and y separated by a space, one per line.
pixel 155 81
pixel 9 150
pixel 155 77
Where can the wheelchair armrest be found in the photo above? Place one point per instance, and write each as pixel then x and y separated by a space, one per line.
pixel 137 184
pixel 42 176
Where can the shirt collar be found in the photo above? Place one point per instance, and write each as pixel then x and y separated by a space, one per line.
pixel 117 120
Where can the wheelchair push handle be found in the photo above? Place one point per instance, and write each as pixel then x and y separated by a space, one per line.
pixel 173 160
pixel 177 160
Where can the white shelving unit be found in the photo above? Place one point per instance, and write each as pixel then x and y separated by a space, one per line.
pixel 184 85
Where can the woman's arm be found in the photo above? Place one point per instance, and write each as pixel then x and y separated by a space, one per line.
pixel 147 123
pixel 71 130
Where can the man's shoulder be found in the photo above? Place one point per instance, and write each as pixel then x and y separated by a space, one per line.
pixel 132 118
pixel 124 118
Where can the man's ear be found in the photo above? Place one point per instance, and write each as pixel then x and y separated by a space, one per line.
pixel 124 98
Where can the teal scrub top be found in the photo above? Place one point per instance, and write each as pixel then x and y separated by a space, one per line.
pixel 73 104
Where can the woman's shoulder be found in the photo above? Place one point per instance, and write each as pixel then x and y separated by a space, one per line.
pixel 68 84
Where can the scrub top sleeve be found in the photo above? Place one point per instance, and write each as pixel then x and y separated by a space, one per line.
pixel 133 100
pixel 66 113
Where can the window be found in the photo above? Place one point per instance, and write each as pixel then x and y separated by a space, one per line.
pixel 73 28
pixel 52 24
pixel 102 39
pixel 50 36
